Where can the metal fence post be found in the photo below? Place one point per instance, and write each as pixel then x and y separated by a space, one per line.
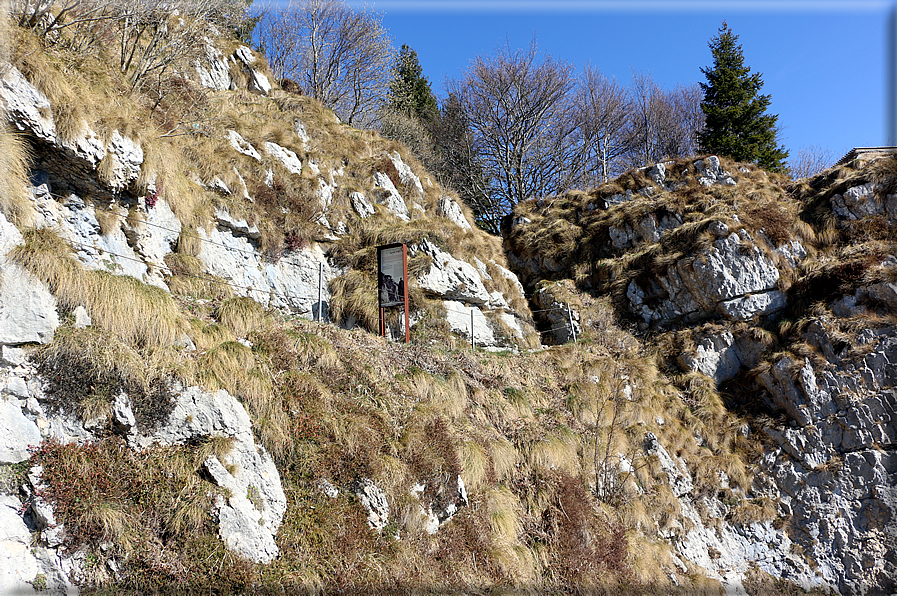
pixel 473 345
pixel 570 317
pixel 320 292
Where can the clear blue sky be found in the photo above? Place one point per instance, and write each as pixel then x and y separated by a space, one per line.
pixel 823 62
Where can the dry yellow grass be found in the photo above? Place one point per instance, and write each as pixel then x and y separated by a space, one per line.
pixel 136 312
pixel 15 199
pixel 241 315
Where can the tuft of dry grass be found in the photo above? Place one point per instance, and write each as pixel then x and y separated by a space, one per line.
pixel 15 198
pixel 138 313
pixel 241 315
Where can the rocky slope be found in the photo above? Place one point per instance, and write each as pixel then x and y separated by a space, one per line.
pixel 784 295
pixel 175 419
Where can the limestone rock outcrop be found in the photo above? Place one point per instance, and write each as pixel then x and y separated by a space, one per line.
pixel 732 279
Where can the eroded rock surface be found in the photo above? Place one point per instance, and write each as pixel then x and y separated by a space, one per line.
pixel 733 279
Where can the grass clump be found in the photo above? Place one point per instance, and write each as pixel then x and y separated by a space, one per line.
pixel 139 314
pixel 86 370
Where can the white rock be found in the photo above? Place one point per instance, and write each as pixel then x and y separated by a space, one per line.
pixel 243 146
pixel 857 202
pixel 27 308
pixel 387 195
pixel 17 434
pixel 18 567
pixel 451 278
pixel 710 173
pixel 245 55
pixel 557 315
pixel 82 318
pixel 449 209
pixel 17 387
pixel 288 158
pixel 732 278
pixel 407 177
pixel 214 73
pixel 239 226
pixel 294 279
pixel 657 173
pixel 122 413
pixel 258 83
pixel 127 156
pixel 720 356
pixel 754 305
pixel 327 488
pixel 157 235
pixel 325 194
pixel 678 477
pixel 76 221
pixel 250 517
pixel 458 317
pixel 299 129
pixel 362 206
pixel 374 500
pixel 26 107
pixel 12 356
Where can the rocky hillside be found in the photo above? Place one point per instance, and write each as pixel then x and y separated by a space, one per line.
pixel 781 294
pixel 180 413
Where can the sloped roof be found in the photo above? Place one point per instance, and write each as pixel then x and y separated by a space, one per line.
pixel 857 152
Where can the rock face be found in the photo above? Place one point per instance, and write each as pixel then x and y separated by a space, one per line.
pixel 560 327
pixel 718 287
pixel 130 230
pixel 26 107
pixel 733 279
pixel 452 278
pixel 248 518
pixel 24 568
pixel 27 309
pixel 835 471
pixel 721 356
pixel 449 209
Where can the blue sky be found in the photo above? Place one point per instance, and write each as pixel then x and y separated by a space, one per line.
pixel 823 62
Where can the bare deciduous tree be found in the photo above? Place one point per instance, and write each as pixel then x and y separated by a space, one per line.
pixel 663 124
pixel 151 34
pixel 519 110
pixel 809 161
pixel 602 108
pixel 339 56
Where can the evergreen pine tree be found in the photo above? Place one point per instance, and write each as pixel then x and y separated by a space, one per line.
pixel 737 124
pixel 409 90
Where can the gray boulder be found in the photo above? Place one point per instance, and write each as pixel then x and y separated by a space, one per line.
pixel 213 71
pixel 127 157
pixel 710 172
pixel 24 566
pixel 27 308
pixel 17 433
pixel 857 202
pixel 451 278
pixel 449 209
pixel 241 145
pixel 388 196
pixel 288 158
pixel 362 206
pixel 27 108
pixel 733 279
pixel 720 355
